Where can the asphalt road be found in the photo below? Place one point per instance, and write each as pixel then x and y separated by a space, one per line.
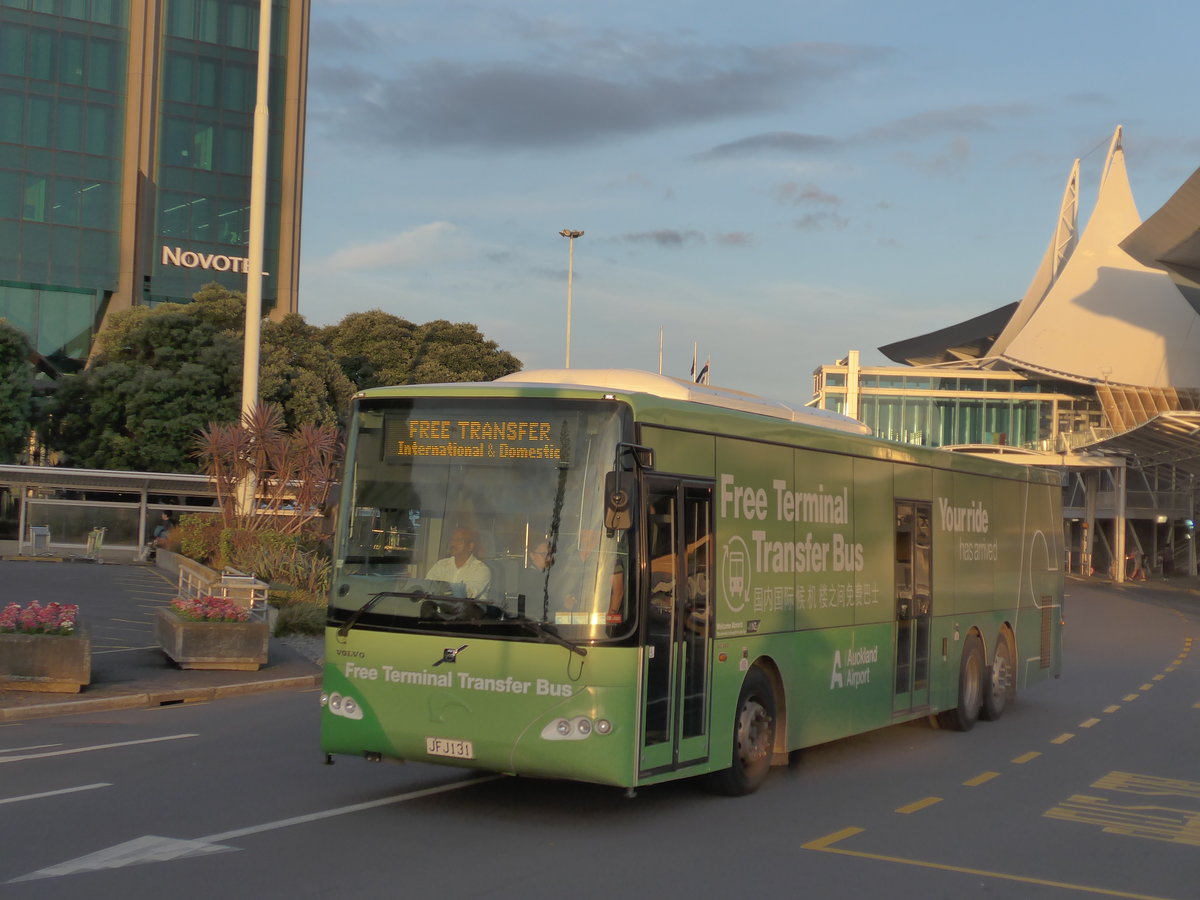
pixel 1089 786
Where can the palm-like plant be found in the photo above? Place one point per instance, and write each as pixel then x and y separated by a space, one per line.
pixel 290 475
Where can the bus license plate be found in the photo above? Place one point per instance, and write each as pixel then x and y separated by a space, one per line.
pixel 446 747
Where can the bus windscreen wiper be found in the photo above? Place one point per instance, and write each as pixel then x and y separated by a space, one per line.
pixel 543 630
pixel 371 601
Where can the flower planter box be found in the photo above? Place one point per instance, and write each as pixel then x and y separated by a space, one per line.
pixel 212 645
pixel 46 662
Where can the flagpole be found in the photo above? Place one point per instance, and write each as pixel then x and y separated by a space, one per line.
pixel 660 349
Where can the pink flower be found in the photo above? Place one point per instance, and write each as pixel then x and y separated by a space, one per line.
pixel 54 618
pixel 209 609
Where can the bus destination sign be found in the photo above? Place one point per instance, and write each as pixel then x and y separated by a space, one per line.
pixel 471 438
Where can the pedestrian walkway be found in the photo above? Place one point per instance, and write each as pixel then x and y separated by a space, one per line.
pixel 117 604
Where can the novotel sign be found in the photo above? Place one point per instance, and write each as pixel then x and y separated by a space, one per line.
pixel 190 259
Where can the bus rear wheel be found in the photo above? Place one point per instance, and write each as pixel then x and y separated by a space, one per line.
pixel 1002 682
pixel 971 677
pixel 753 738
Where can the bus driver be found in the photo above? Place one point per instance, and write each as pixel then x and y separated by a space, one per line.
pixel 461 569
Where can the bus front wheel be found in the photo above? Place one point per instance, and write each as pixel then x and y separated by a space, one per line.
pixel 753 738
pixel 972 674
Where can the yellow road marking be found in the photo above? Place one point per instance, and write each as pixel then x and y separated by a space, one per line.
pixel 1113 708
pixel 1062 738
pixel 1159 677
pixel 825 845
pixel 981 778
pixel 919 805
pixel 1089 723
pixel 1128 698
pixel 1026 757
pixel 1146 687
pixel 830 839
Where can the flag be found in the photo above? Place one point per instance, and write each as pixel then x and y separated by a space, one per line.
pixel 702 378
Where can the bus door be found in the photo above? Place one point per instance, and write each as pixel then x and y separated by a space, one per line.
pixel 676 612
pixel 914 604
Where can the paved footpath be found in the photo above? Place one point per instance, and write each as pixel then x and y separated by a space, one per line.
pixel 117 605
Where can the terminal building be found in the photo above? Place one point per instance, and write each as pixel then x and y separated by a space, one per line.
pixel 125 148
pixel 1094 372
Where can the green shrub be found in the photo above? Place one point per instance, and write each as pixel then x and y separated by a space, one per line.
pixel 301 618
pixel 300 560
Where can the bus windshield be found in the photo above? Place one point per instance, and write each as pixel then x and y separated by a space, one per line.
pixel 468 516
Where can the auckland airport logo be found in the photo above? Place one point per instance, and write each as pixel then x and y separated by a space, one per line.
pixel 735 586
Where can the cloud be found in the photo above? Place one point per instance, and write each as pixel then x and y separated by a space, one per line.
pixel 949 161
pixel 914 128
pixel 664 237
pixel 953 120
pixel 424 245
pixel 734 239
pixel 577 90
pixel 775 143
pixel 793 194
pixel 348 35
pixel 821 221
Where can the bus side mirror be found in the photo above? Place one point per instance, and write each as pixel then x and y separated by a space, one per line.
pixel 618 501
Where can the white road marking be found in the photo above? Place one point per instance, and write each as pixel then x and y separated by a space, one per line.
pixel 28 756
pixel 154 848
pixel 72 790
pixel 30 747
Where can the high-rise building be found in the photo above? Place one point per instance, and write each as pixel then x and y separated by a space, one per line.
pixel 125 148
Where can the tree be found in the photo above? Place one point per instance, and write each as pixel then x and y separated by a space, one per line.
pixel 16 392
pixel 300 374
pixel 161 375
pixel 159 378
pixel 376 348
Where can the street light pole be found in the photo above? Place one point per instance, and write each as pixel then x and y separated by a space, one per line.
pixel 254 265
pixel 570 236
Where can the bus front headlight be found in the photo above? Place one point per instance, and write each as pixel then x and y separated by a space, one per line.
pixel 576 729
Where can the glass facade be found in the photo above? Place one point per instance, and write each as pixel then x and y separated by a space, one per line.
pixel 210 69
pixel 944 409
pixel 70 125
pixel 62 85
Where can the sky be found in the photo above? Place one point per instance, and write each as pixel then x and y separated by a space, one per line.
pixel 767 184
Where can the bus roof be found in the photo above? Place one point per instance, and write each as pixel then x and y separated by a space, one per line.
pixel 636 381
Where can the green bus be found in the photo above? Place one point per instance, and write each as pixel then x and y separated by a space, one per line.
pixel 621 578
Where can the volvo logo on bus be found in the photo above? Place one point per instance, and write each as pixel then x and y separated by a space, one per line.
pixel 735 586
pixel 450 654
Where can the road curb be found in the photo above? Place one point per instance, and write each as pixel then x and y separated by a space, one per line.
pixel 156 698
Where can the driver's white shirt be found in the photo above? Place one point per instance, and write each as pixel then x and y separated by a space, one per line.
pixel 474 575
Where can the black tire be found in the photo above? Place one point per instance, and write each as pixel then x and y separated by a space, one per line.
pixel 753 739
pixel 972 676
pixel 1001 687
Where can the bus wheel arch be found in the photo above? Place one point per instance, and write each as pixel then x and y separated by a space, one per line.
pixel 1000 689
pixel 756 734
pixel 972 683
